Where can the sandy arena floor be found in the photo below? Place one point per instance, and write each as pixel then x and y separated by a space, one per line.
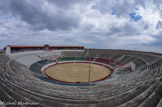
pixel 77 72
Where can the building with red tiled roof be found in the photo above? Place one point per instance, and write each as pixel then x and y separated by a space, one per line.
pixel 14 48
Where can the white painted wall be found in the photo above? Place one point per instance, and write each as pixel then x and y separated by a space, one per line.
pixel 8 50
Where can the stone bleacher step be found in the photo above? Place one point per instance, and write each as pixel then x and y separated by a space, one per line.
pixel 21 95
pixel 141 97
pixel 159 103
pixel 154 98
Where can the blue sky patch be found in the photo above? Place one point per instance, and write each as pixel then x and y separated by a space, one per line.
pixel 134 16
pixel 136 8
pixel 113 11
pixel 94 7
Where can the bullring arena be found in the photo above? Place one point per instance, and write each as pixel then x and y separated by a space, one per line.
pixel 74 76
pixel 77 72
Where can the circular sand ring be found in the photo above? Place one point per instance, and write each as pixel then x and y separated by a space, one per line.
pixel 77 72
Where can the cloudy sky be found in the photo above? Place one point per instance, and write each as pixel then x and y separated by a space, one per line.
pixel 115 24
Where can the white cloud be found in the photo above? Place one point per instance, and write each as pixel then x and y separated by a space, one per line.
pixel 57 23
pixel 150 15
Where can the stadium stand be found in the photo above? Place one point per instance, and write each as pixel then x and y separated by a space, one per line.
pixel 19 81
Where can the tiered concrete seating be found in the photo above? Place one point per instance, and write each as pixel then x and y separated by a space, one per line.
pixel 159 103
pixel 141 87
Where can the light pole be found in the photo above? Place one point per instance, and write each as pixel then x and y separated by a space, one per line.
pixel 89 68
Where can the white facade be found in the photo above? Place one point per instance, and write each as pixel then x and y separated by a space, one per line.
pixel 8 50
